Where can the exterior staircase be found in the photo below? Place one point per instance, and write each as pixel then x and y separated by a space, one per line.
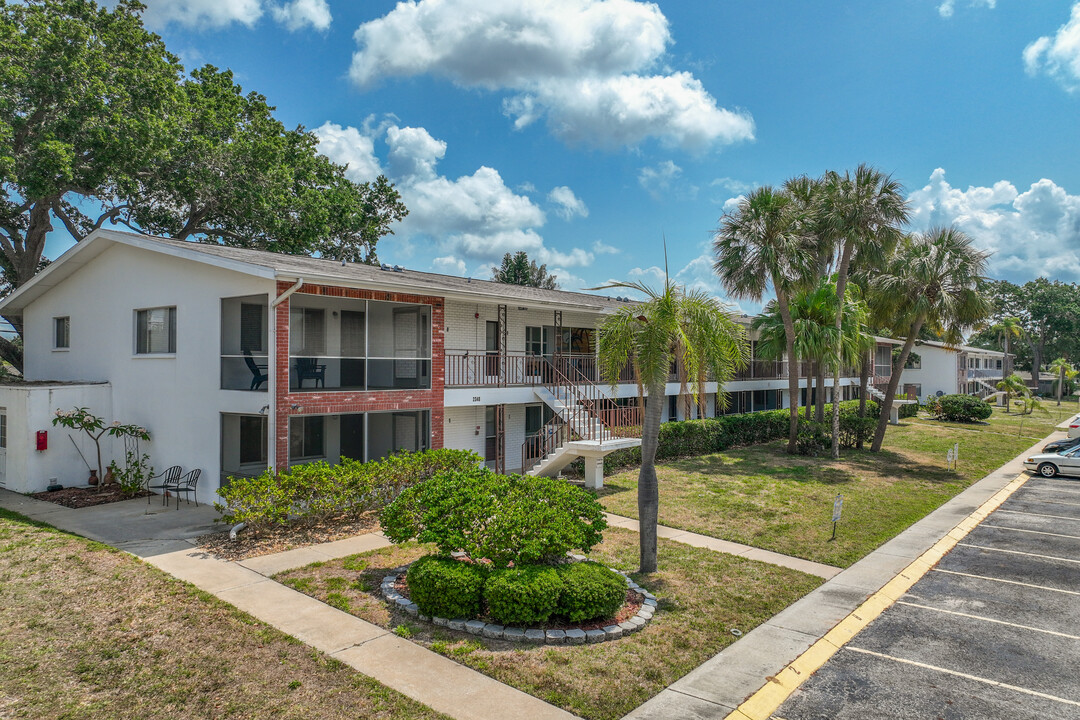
pixel 586 423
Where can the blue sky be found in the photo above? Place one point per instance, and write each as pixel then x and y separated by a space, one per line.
pixel 584 131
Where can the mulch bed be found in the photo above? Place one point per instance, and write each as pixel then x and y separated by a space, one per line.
pixel 633 603
pixel 80 497
pixel 249 544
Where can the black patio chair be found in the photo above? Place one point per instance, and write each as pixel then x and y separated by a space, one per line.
pixel 258 372
pixel 168 477
pixel 310 369
pixel 186 484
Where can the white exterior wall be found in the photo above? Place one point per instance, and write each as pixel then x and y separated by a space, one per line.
pixel 31 408
pixel 463 429
pixel 465 331
pixel 176 397
pixel 936 374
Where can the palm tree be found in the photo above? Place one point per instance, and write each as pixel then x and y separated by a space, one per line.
pixel 758 245
pixel 688 325
pixel 865 210
pixel 1012 385
pixel 1006 329
pixel 1065 371
pixel 930 280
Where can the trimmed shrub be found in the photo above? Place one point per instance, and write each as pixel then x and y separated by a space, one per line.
pixel 315 491
pixel 907 411
pixel 701 437
pixel 814 437
pixel 523 595
pixel 447 588
pixel 590 591
pixel 960 408
pixel 503 518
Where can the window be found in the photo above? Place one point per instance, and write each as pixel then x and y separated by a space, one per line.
pixel 306 437
pixel 61 333
pixel 155 331
pixel 999 364
pixel 253 440
pixel 307 332
pixel 673 408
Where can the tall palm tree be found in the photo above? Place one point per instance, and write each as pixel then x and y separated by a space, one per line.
pixel 759 245
pixel 865 210
pixel 1065 371
pixel 812 313
pixel 1006 329
pixel 930 280
pixel 673 322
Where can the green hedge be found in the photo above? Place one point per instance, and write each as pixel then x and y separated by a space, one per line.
pixel 590 591
pixel 502 518
pixel 522 596
pixel 315 491
pixel 442 587
pixel 960 408
pixel 700 437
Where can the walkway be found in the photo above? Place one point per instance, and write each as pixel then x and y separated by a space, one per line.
pixel 710 543
pixel 751 678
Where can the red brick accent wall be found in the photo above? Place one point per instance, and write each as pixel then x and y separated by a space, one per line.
pixel 350 401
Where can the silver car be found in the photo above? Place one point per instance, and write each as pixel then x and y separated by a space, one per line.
pixel 1051 464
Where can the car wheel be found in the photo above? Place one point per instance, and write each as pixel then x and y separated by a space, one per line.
pixel 1048 470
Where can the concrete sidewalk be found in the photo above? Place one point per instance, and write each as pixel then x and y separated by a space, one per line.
pixel 732 548
pixel 718 686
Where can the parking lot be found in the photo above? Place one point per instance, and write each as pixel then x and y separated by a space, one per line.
pixel 992 632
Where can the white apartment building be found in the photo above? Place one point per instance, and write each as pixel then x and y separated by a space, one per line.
pixel 238 360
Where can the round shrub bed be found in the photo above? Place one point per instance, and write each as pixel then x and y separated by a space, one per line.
pixel 625 616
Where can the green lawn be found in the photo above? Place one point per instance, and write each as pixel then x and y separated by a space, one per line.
pixel 763 497
pixel 703 595
pixel 90 632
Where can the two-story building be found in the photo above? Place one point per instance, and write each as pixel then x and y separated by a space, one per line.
pixel 237 360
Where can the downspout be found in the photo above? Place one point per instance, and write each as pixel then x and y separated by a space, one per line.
pixel 285 295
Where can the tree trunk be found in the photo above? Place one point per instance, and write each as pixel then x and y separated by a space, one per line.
pixel 648 499
pixel 838 360
pixel 819 401
pixel 1061 381
pixel 864 384
pixel 809 389
pixel 1036 363
pixel 894 381
pixel 793 372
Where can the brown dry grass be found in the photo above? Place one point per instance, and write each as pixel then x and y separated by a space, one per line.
pixel 703 595
pixel 90 632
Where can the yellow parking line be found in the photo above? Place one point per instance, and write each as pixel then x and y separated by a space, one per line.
pixel 766 701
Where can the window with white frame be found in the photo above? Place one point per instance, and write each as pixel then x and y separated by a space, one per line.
pixel 62 333
pixel 155 331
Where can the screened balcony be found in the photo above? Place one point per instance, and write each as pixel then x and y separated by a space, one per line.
pixel 357 436
pixel 343 344
pixel 244 343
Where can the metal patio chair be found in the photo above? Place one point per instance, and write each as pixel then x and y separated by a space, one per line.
pixel 168 477
pixel 186 484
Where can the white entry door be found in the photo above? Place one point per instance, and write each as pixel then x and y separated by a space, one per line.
pixel 3 447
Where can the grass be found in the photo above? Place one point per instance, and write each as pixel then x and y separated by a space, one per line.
pixel 763 497
pixel 91 632
pixel 703 595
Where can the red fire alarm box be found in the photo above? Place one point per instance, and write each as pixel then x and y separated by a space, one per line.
pixel 42 440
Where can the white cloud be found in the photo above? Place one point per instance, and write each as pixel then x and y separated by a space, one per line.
pixel 299 13
pixel 583 64
pixel 468 220
pixel 948 7
pixel 600 248
pixel 664 179
pixel 214 14
pixel 349 146
pixel 568 204
pixel 1031 233
pixel 202 13
pixel 449 265
pixel 1058 56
